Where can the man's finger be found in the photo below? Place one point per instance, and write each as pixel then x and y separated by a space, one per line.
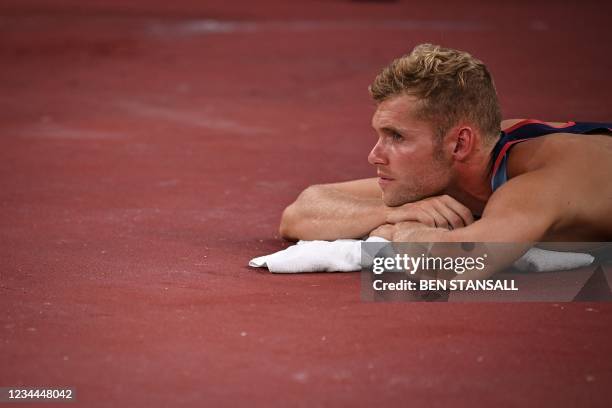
pixel 454 220
pixel 460 209
pixel 437 220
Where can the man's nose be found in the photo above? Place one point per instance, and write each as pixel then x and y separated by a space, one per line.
pixel 377 155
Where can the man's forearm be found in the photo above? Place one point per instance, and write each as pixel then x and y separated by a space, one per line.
pixel 499 256
pixel 322 212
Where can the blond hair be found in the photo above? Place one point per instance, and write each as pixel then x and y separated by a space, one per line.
pixel 451 86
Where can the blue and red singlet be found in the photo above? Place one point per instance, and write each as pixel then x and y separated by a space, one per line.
pixel 528 129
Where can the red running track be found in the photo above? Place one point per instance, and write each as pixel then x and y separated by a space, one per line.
pixel 148 149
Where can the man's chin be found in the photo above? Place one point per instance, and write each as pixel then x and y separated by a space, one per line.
pixel 392 201
pixel 397 200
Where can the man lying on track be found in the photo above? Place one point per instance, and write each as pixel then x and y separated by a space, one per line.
pixel 450 170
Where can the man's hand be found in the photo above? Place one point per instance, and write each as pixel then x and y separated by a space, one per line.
pixel 410 231
pixel 436 212
pixel 385 231
pixel 395 232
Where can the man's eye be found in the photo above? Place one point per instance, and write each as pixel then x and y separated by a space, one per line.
pixel 397 137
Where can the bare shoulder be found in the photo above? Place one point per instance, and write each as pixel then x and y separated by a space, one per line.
pixel 559 149
pixel 568 173
pixel 576 153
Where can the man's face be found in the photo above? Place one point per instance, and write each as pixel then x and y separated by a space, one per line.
pixel 409 160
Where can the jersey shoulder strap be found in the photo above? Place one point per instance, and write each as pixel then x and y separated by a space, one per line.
pixel 528 129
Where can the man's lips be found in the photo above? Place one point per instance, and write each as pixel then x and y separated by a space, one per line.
pixel 384 179
pixel 384 176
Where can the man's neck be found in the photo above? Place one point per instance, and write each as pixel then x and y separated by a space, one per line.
pixel 472 184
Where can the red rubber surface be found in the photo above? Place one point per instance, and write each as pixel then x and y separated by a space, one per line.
pixel 147 153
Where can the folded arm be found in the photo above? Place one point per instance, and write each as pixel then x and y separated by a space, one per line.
pixel 332 211
pixel 353 209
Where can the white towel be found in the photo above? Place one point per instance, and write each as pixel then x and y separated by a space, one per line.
pixel 344 255
pixel 542 260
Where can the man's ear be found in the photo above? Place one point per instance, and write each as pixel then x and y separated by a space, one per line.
pixel 465 142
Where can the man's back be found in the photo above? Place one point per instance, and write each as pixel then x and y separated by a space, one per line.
pixel 579 168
